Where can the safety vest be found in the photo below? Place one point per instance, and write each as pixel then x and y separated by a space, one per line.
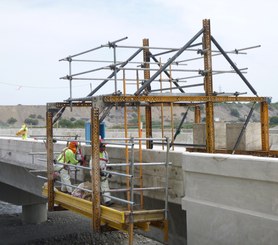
pixel 25 131
pixel 67 156
pixel 103 160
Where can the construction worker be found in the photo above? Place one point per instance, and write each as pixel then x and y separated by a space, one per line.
pixel 68 156
pixel 23 132
pixel 103 162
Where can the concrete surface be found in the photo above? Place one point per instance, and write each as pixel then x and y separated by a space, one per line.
pixel 230 199
pixel 251 139
pixel 199 134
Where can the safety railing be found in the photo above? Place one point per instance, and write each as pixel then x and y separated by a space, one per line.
pixel 129 175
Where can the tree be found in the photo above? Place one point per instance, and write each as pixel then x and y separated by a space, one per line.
pixel 11 121
pixel 31 121
pixel 234 112
pixel 79 124
pixel 64 123
pixel 273 120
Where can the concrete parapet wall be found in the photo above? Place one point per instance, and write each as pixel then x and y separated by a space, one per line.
pixel 230 199
pixel 251 139
pixel 185 136
pixel 28 153
pixel 154 175
pixel 199 134
pixel 16 151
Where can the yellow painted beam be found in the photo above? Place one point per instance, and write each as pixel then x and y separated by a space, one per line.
pixel 178 98
pixel 145 215
pixel 109 216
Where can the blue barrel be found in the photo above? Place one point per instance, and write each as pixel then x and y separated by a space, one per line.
pixel 88 131
pixel 102 130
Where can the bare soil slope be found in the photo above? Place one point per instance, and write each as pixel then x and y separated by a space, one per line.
pixel 222 112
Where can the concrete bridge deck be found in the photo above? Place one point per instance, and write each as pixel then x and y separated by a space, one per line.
pixel 213 198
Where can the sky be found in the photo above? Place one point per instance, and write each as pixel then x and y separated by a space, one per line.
pixel 36 34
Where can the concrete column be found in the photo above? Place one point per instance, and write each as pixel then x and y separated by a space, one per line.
pixel 34 214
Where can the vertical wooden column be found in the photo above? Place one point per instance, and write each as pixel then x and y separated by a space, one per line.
pixel 197 114
pixel 165 231
pixel 50 170
pixel 208 87
pixel 148 110
pixel 264 126
pixel 95 169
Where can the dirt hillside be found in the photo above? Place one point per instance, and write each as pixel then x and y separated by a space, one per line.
pixel 222 112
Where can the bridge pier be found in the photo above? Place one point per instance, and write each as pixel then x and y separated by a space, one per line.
pixel 34 213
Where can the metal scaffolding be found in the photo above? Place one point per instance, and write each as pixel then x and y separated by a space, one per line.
pixel 150 81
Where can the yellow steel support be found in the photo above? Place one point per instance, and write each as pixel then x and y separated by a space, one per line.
pixel 178 98
pixel 208 87
pixel 95 168
pixel 148 109
pixel 50 170
pixel 72 104
pixel 264 126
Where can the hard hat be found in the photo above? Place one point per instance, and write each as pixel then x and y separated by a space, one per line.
pixel 73 144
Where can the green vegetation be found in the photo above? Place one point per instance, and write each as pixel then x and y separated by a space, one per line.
pixel 64 123
pixel 40 117
pixel 11 121
pixel 33 116
pixel 31 121
pixel 273 121
pixel 234 112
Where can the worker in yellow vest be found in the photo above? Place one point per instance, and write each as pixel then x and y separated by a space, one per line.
pixel 68 156
pixel 23 132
